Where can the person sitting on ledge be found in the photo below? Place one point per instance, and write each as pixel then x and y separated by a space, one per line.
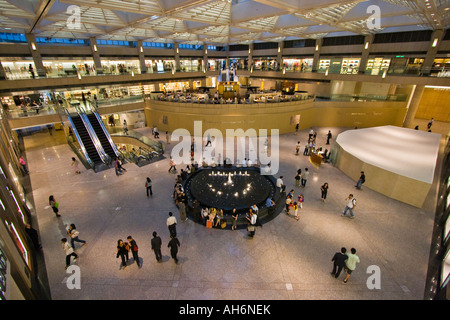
pixel 219 216
pixel 204 213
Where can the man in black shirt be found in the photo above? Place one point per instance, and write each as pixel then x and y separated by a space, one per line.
pixel 338 262
pixel 156 246
pixel 174 243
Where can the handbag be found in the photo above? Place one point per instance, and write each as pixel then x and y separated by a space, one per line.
pixel 209 224
pixel 56 205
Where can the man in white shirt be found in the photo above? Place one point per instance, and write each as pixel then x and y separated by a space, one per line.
pixel 350 263
pixel 351 203
pixel 171 224
pixel 280 184
pixel 69 252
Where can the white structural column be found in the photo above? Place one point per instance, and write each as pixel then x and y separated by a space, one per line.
pixel 96 55
pixel 413 105
pixel 35 53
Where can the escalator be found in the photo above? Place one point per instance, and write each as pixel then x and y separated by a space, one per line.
pixel 86 140
pixel 103 136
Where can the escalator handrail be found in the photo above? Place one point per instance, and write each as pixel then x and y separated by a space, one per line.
pixel 105 131
pixel 80 142
pixel 98 146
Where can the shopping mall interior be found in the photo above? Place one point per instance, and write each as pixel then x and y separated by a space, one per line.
pixel 98 96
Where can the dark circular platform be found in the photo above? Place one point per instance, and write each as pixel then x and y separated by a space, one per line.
pixel 226 189
pixel 232 187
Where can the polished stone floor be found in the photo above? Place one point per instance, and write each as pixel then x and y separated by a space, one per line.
pixel 287 259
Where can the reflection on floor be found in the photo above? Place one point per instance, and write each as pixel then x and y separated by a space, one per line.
pixel 287 259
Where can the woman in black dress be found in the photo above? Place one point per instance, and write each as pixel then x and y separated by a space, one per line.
pixel 324 190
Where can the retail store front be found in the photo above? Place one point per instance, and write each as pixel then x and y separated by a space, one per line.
pixel 298 64
pixel 347 65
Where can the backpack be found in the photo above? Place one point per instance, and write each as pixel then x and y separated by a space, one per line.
pixel 354 201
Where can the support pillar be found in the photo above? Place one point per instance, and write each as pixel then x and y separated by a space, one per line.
pixel 280 55
pixel 316 58
pixel 368 39
pixel 413 105
pixel 437 36
pixel 176 54
pixel 141 55
pixel 96 55
pixel 36 54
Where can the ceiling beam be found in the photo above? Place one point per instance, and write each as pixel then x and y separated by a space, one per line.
pixel 41 12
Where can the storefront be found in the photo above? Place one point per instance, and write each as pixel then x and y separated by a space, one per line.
pixel 377 65
pixel 18 68
pixel 176 86
pixel 265 63
pixel 159 65
pixel 238 63
pixel 405 65
pixel 121 66
pixel 339 65
pixel 55 67
pixel 298 64
pixel 440 66
pixel 191 64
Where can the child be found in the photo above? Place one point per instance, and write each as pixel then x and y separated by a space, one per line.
pixel 295 207
pixel 300 201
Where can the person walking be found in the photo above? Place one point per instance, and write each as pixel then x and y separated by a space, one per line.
pixel 182 207
pixel 148 187
pixel 122 252
pixel 430 123
pixel 329 136
pixel 55 205
pixel 297 148
pixel 172 165
pixel 34 236
pixel 134 250
pixel 23 164
pixel 174 243
pixel 156 246
pixel 75 165
pixel 324 191
pixel 351 204
pixel 125 127
pixel 73 234
pixel 361 180
pixel 208 140
pixel 339 259
pixel 350 263
pixel 305 177
pixel 69 252
pixel 280 184
pixel 298 178
pixel 171 225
